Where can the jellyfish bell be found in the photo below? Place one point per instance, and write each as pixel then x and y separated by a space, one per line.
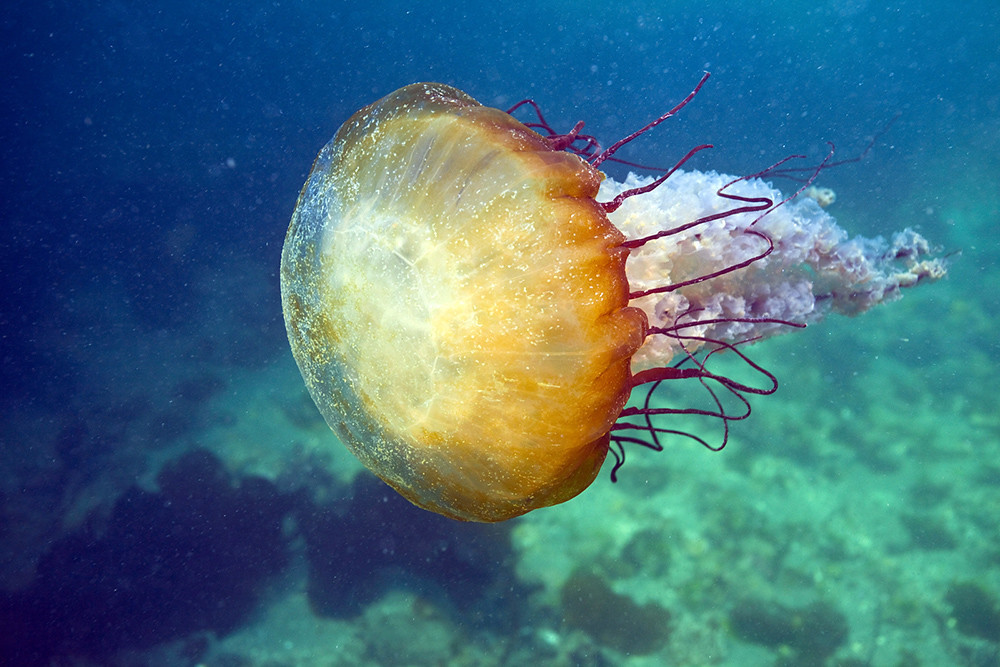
pixel 457 303
pixel 471 323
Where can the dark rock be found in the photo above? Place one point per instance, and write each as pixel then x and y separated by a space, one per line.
pixel 190 558
pixel 612 619
pixel 814 632
pixel 975 609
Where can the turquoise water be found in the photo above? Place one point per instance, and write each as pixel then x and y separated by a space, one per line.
pixel 169 495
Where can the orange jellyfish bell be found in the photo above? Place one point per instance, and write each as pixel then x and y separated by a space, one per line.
pixel 457 303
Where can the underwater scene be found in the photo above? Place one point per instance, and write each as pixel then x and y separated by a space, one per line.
pixel 174 491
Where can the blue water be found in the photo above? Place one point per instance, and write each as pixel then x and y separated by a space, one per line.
pixel 169 495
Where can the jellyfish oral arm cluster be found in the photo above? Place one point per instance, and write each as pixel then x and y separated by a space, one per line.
pixel 471 320
pixel 813 267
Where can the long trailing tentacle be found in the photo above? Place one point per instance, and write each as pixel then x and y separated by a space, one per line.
pixel 636 426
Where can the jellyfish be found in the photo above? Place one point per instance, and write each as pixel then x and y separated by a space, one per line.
pixel 471 302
